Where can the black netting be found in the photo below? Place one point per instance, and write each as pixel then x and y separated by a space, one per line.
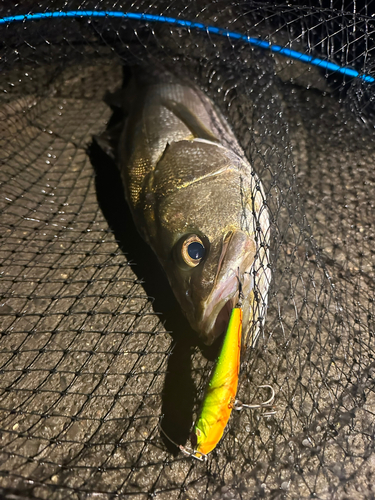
pixel 93 346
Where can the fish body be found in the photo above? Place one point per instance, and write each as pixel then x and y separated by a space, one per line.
pixel 197 202
pixel 221 391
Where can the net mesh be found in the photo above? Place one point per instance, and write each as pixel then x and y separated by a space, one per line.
pixel 93 346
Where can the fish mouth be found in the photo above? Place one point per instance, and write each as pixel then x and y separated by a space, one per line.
pixel 220 323
pixel 234 267
pixel 216 314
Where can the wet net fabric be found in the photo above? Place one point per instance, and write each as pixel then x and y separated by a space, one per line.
pixel 93 347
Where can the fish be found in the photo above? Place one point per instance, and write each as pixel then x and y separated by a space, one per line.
pixel 197 201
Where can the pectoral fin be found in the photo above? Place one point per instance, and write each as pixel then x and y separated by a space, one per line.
pixel 191 121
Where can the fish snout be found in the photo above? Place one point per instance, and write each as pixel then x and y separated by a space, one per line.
pixel 234 263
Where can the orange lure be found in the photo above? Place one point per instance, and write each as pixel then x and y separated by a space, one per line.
pixel 221 391
pixel 220 397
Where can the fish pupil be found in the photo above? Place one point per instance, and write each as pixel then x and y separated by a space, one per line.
pixel 195 250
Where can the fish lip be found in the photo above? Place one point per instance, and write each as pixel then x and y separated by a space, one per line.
pixel 216 310
pixel 221 298
pixel 224 295
pixel 217 326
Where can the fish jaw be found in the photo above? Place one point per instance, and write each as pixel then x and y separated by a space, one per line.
pixel 211 314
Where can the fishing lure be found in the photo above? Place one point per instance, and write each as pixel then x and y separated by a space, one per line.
pixel 221 392
pixel 220 398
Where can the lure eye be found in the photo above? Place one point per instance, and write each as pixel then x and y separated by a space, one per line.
pixel 192 250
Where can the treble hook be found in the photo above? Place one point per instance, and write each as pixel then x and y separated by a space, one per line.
pixel 266 404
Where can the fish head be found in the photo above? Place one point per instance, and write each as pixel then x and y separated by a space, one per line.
pixel 202 222
pixel 206 276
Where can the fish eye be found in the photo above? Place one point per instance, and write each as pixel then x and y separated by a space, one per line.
pixel 192 250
